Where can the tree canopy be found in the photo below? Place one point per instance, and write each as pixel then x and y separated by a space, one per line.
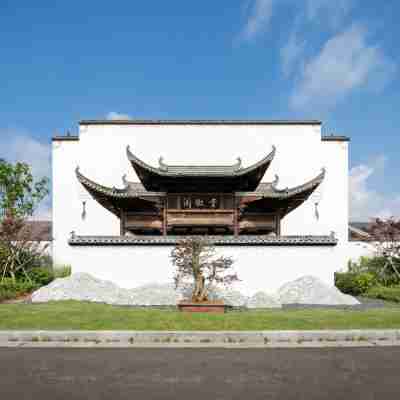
pixel 19 192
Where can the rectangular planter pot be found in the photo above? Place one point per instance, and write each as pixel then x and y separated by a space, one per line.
pixel 217 308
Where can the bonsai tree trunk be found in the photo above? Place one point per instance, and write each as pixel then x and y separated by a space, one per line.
pixel 200 291
pixel 197 265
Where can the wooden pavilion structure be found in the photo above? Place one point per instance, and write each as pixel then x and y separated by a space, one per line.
pixel 211 199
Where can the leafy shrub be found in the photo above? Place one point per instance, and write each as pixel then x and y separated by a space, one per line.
pixel 62 271
pixel 377 266
pixel 10 289
pixel 354 283
pixel 384 293
pixel 41 275
pixel 30 261
pixel 365 281
pixel 45 260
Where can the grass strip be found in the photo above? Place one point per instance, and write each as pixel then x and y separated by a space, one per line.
pixel 73 315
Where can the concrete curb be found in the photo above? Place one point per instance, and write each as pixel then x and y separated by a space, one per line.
pixel 236 339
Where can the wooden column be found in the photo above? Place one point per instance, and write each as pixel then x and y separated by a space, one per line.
pixel 278 224
pixel 164 226
pixel 235 217
pixel 122 223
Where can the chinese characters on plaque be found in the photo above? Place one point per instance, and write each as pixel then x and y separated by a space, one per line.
pixel 199 202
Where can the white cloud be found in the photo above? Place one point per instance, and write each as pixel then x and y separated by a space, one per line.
pixel 346 62
pixel 333 11
pixel 291 53
pixel 258 20
pixel 365 202
pixel 18 145
pixel 326 12
pixel 112 115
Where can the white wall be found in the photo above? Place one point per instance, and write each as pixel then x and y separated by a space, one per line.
pixel 263 268
pixel 360 249
pixel 101 155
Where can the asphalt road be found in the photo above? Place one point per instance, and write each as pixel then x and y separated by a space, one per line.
pixel 191 374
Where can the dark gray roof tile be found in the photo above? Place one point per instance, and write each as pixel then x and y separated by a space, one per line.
pixel 257 240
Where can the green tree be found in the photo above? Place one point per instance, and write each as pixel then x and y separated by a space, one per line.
pixel 20 194
pixel 385 235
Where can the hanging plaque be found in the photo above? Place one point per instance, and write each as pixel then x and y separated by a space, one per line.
pixel 199 202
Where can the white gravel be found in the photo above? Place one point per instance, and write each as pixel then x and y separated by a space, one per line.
pixel 84 287
pixel 229 297
pixel 310 290
pixel 155 294
pixel 263 300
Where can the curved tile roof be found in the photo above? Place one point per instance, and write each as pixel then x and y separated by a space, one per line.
pixel 199 170
pixel 132 189
pixel 269 190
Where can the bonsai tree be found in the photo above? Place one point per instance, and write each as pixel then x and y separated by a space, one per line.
pixel 19 196
pixel 197 266
pixel 385 235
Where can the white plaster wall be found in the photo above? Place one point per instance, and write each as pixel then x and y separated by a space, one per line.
pixel 360 249
pixel 101 155
pixel 66 205
pixel 300 156
pixel 258 267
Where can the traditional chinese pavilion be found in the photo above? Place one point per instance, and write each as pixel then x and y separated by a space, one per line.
pixel 280 210
pixel 200 199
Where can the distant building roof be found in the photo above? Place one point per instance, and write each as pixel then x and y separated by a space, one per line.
pixel 40 230
pixel 359 230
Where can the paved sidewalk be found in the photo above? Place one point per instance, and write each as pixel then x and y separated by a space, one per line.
pixel 182 339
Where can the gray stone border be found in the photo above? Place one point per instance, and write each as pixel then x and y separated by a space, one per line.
pixel 243 339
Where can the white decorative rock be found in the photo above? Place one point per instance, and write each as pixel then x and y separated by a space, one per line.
pixel 229 297
pixel 310 290
pixel 263 300
pixel 155 295
pixel 82 287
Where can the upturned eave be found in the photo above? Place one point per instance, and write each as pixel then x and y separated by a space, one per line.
pixel 267 196
pixel 229 178
pixel 115 200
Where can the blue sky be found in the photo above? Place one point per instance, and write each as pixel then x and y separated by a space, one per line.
pixel 242 59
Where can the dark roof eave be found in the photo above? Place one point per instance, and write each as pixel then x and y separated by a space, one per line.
pixel 65 138
pixel 274 193
pixel 333 138
pixel 113 192
pixel 137 162
pixel 198 122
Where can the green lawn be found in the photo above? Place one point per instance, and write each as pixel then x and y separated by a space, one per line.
pixel 89 316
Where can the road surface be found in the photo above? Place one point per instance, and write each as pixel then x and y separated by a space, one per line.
pixel 191 374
